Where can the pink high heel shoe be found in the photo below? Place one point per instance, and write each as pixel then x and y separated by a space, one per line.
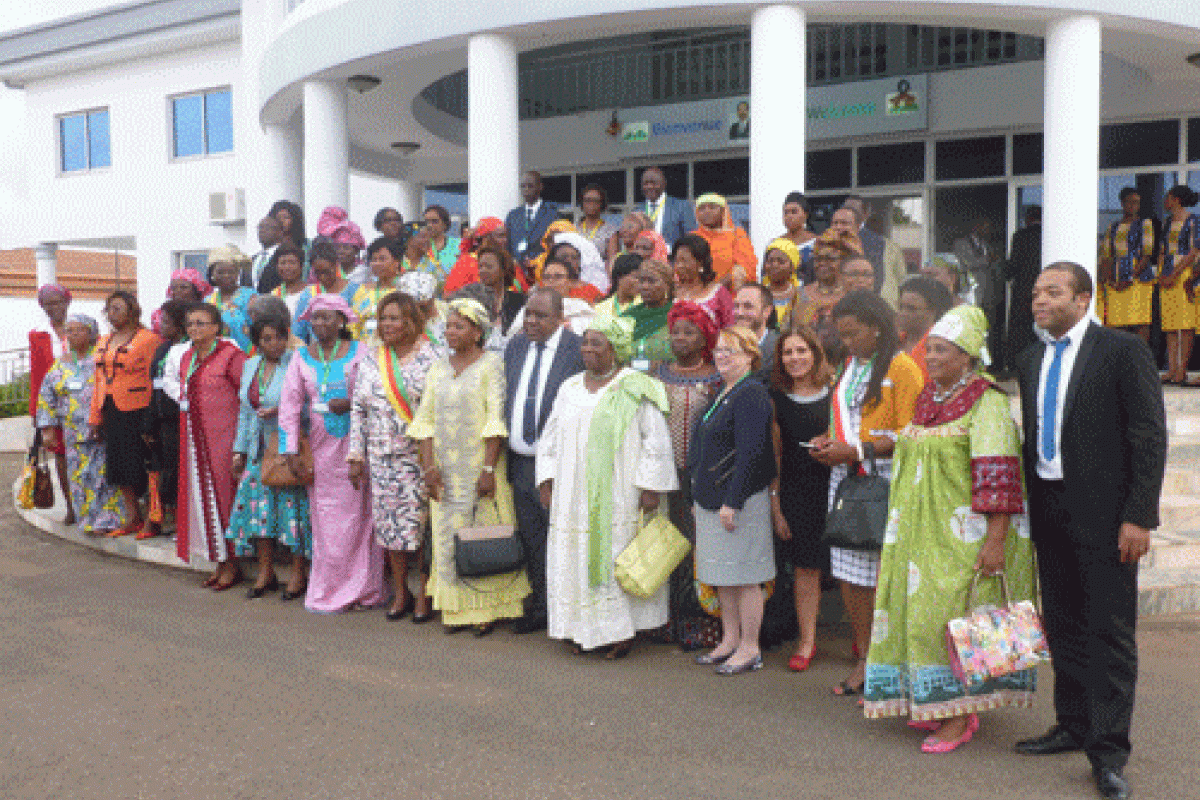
pixel 932 744
pixel 929 725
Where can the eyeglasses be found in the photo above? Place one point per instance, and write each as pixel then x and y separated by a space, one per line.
pixel 728 351
pixel 432 220
pixel 201 323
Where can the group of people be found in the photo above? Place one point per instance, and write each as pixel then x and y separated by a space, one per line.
pixel 519 377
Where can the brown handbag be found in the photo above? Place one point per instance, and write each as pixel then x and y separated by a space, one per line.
pixel 277 472
pixel 43 489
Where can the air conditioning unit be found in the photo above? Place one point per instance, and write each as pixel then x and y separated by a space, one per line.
pixel 227 207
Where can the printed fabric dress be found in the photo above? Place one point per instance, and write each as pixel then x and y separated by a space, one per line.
pixel 65 401
pixel 1126 245
pixel 300 327
pixel 233 315
pixel 1179 239
pixel 458 412
pixel 956 463
pixel 347 566
pixel 259 511
pixel 379 419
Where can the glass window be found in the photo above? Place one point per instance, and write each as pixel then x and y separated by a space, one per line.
pixel 202 124
pixel 891 163
pixel 197 260
pixel 83 141
pixel 729 177
pixel 677 181
pixel 1139 144
pixel 612 181
pixel 959 159
pixel 828 169
pixel 1193 142
pixel 451 196
pixel 1027 153
pixel 557 189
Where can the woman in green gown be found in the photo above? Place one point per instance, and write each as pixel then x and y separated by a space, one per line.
pixel 957 507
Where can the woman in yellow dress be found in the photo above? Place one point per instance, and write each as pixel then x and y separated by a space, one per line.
pixel 1180 246
pixel 1125 252
pixel 386 257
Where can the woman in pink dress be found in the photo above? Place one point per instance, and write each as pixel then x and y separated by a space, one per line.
pixel 347 564
pixel 210 375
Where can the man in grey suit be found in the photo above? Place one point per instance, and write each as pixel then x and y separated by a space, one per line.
pixel 536 362
pixel 672 216
pixel 752 308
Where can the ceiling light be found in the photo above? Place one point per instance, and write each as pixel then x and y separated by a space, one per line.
pixel 1194 59
pixel 406 148
pixel 362 83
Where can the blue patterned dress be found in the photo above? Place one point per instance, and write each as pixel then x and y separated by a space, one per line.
pixel 233 314
pixel 264 512
pixel 65 400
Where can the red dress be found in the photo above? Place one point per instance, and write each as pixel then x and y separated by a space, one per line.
pixel 41 359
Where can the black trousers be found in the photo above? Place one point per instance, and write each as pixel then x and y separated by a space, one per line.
pixel 533 521
pixel 1089 608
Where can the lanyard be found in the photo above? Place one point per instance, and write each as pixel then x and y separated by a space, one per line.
pixel 263 382
pixel 326 363
pixel 721 398
pixel 196 359
pixel 657 206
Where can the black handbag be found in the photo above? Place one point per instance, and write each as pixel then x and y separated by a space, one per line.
pixel 858 518
pixel 481 551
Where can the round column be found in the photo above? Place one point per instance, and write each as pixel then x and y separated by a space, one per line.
pixel 408 200
pixel 285 168
pixel 777 139
pixel 493 158
pixel 326 147
pixel 1071 174
pixel 45 255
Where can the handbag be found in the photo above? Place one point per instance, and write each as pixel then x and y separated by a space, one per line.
pixel 647 561
pixel 275 469
pixel 859 514
pixel 36 490
pixel 481 551
pixel 990 642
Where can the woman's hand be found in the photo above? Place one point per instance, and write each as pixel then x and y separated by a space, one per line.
pixel 433 483
pixel 728 517
pixel 782 531
pixel 296 465
pixel 339 405
pixel 649 501
pixel 268 412
pixel 546 492
pixel 486 485
pixel 357 470
pixel 49 438
pixel 832 453
pixel 991 557
pixel 238 465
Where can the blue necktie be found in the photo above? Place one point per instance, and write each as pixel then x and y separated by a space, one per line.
pixel 530 419
pixel 1050 403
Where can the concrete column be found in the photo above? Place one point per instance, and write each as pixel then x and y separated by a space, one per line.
pixel 408 200
pixel 493 157
pixel 326 147
pixel 285 169
pixel 1072 141
pixel 45 254
pixel 777 58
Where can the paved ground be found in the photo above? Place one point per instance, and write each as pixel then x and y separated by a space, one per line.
pixel 123 680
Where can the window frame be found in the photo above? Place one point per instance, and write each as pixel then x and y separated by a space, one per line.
pixel 86 114
pixel 203 94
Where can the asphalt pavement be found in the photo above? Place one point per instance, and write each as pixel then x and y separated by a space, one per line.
pixel 126 680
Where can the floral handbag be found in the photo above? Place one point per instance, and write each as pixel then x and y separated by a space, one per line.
pixel 990 642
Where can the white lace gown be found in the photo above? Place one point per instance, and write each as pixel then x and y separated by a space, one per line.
pixel 605 614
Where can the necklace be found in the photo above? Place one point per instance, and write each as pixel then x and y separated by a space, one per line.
pixel 608 374
pixel 941 397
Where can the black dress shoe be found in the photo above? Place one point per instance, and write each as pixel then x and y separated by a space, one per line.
pixel 255 592
pixel 287 596
pixel 529 624
pixel 1055 740
pixel 400 613
pixel 1111 784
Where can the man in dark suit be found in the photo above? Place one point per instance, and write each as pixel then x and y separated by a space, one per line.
pixel 754 308
pixel 1095 453
pixel 536 362
pixel 672 217
pixel 526 224
pixel 740 129
pixel 1022 269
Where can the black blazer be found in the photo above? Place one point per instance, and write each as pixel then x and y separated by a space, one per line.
pixel 734 441
pixel 1114 434
pixel 519 229
pixel 567 362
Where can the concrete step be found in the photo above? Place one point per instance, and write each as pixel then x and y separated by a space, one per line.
pixel 1181 479
pixel 1173 551
pixel 1168 591
pixel 1180 512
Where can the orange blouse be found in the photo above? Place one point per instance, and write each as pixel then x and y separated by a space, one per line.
pixel 123 373
pixel 730 248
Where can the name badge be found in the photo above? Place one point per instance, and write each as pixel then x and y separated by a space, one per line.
pixel 320 408
pixel 183 406
pixel 74 386
pixel 159 383
pixel 369 327
pixel 640 364
pixel 522 247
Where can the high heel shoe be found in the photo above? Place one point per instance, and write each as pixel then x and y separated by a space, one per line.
pixel 403 611
pixel 255 592
pixel 221 587
pixel 288 595
pixel 799 663
pixel 932 744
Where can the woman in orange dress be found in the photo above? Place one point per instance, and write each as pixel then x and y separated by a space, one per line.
pixel 732 253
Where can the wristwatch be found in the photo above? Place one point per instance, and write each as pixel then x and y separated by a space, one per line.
pixel 488 469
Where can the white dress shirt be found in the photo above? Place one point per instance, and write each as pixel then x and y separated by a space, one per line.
pixel 661 205
pixel 516 424
pixel 1052 470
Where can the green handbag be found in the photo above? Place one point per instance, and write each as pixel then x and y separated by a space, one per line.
pixel 646 562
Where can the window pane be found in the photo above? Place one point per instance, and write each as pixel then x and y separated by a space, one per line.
pixel 729 177
pixel 891 163
pixel 189 132
pixel 828 169
pixel 1027 153
pixel 1193 134
pixel 98 151
pixel 1139 144
pixel 451 196
pixel 969 158
pixel 612 181
pixel 557 189
pixel 72 135
pixel 196 261
pixel 218 122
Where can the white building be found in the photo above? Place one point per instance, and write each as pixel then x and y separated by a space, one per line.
pixel 139 114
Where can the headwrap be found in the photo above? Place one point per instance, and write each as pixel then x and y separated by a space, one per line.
pixel 194 278
pixel 726 223
pixel 591 265
pixel 660 252
pixel 474 311
pixel 49 290
pixel 327 301
pixel 348 233
pixel 965 326
pixel 85 320
pixel 698 316
pixel 618 331
pixel 553 230
pixel 847 244
pixel 787 247
pixel 331 218
pixel 472 241
pixel 227 254
pixel 420 286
